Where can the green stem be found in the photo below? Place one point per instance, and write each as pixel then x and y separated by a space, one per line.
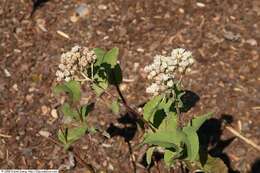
pixel 179 116
pixel 124 102
pixel 131 110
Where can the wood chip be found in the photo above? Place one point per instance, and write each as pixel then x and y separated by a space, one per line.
pixel 63 34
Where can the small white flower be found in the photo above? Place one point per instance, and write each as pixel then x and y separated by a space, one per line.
pixel 191 61
pixel 75 48
pixel 164 69
pixel 165 77
pixel 67 79
pixel 153 73
pixel 170 83
pixel 74 62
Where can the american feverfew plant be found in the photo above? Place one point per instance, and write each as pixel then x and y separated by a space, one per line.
pixel 165 130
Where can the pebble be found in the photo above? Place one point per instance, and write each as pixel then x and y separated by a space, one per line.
pixel 82 10
pixel 29 98
pixel 110 167
pixel 41 23
pixel 17 51
pixel 54 113
pixel 181 10
pixel 229 35
pixel 102 7
pixel 123 87
pixel 7 73
pixel 44 133
pixel 15 87
pixel 44 109
pixel 251 42
pixel 136 66
pixel 200 4
pixel 140 50
pixel 107 145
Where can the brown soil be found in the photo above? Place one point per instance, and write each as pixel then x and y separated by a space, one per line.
pixel 223 36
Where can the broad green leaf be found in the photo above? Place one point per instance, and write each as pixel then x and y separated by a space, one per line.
pixel 158 116
pixel 165 139
pixel 115 108
pixel 86 109
pixel 149 154
pixel 192 143
pixel 215 165
pixel 99 88
pixel 68 111
pixel 111 57
pixel 71 87
pixel 61 88
pixel 151 106
pixel 169 123
pixel 75 133
pixel 166 104
pixel 198 121
pixel 100 55
pixel 61 137
pixel 74 86
pixel 100 82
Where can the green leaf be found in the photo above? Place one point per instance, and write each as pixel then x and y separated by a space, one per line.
pixel 61 88
pixel 71 87
pixel 85 110
pixel 169 123
pixel 68 111
pixel 99 89
pixel 151 107
pixel 111 57
pixel 198 121
pixel 168 157
pixel 166 104
pixel 61 137
pixel 165 139
pixel 115 107
pixel 100 82
pixel 100 55
pixel 72 135
pixel 215 165
pixel 192 143
pixel 75 133
pixel 149 154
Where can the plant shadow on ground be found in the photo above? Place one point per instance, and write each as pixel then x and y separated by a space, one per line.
pixel 210 141
pixel 128 129
pixel 256 166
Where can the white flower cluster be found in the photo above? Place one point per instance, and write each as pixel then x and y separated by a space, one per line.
pixel 164 70
pixel 75 62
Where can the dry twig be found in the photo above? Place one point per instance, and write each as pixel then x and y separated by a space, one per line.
pixel 5 136
pixel 248 141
